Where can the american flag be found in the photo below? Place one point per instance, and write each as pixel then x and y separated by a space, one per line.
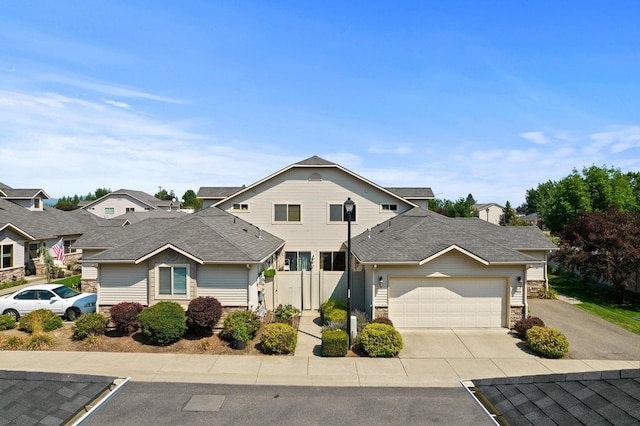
pixel 58 250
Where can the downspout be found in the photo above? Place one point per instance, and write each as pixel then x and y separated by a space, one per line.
pixel 373 291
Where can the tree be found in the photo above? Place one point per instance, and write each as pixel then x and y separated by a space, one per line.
pixel 101 192
pixel 462 207
pixel 510 218
pixel 604 245
pixel 594 189
pixel 190 199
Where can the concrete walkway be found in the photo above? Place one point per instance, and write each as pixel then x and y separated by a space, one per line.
pixel 433 358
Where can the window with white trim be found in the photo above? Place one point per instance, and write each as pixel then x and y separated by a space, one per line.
pixel 241 207
pixel 338 213
pixel 389 207
pixel 287 213
pixel 172 280
pixel 109 210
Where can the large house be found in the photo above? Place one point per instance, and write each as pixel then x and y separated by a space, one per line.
pixel 419 268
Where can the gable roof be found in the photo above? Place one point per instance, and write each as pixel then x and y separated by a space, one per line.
pixel 21 194
pixel 419 235
pixel 413 193
pixel 140 196
pixel 313 162
pixel 209 236
pixel 48 223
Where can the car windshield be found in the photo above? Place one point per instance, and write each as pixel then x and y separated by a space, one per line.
pixel 65 292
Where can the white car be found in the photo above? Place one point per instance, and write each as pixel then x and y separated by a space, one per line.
pixel 62 300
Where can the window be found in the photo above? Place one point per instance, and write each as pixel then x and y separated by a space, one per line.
pixel 130 209
pixel 333 261
pixel 390 207
pixel 172 280
pixel 67 246
pixel 337 213
pixel 109 210
pixel 7 256
pixel 287 213
pixel 27 295
pixel 242 207
pixel 298 261
pixel 33 250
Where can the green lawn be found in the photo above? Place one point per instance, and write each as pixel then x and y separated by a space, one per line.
pixel 599 301
pixel 72 281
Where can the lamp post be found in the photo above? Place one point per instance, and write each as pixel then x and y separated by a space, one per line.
pixel 348 208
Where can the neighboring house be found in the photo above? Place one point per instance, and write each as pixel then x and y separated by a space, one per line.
pixel 209 253
pixel 490 212
pixel 123 201
pixel 30 199
pixel 25 228
pixel 420 268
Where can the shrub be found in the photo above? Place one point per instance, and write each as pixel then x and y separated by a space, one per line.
pixel 335 325
pixel 547 293
pixel 278 338
pixel 93 324
pixel 124 316
pixel 361 320
pixel 240 325
pixel 41 319
pixel 327 308
pixel 382 320
pixel 39 340
pixel 14 342
pixel 335 343
pixel 7 322
pixel 203 314
pixel 286 312
pixel 548 342
pixel 381 340
pixel 523 324
pixel 163 323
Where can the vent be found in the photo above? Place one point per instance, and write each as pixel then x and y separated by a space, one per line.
pixel 315 177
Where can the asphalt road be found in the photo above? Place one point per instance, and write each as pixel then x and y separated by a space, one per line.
pixel 141 403
pixel 590 337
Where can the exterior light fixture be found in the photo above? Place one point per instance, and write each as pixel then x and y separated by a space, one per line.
pixel 348 209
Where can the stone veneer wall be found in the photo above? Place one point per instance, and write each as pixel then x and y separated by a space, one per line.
pixel 89 285
pixel 381 312
pixel 12 274
pixel 533 287
pixel 516 313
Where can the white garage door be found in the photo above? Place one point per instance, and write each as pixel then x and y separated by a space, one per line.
pixel 447 302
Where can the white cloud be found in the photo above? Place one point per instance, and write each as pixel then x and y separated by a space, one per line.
pixel 391 148
pixel 117 104
pixel 535 137
pixel 619 139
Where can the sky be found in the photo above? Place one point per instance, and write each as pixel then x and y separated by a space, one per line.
pixel 488 98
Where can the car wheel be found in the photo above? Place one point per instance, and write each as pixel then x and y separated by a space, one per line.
pixel 73 314
pixel 13 313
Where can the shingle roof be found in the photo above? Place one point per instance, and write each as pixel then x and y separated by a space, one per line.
pixel 30 398
pixel 210 235
pixel 412 193
pixel 419 234
pixel 48 223
pixel 591 398
pixel 217 192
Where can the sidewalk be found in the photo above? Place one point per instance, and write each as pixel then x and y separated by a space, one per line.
pixel 305 368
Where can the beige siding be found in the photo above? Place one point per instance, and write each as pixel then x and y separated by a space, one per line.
pixel 120 203
pixel 228 284
pixel 122 283
pixel 314 232
pixel 537 272
pixel 8 237
pixel 456 264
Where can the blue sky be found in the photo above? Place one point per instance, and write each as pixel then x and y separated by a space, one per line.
pixel 482 97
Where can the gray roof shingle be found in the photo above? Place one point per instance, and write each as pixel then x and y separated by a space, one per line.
pixel 607 397
pixel 419 234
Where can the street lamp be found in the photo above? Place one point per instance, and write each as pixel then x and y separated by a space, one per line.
pixel 348 209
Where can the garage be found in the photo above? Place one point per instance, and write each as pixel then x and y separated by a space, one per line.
pixel 448 302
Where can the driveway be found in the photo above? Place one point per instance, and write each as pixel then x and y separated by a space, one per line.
pixel 590 337
pixel 450 343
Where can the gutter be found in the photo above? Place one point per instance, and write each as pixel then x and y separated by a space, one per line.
pixel 102 399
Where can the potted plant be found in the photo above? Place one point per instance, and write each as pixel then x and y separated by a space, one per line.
pixel 240 336
pixel 269 272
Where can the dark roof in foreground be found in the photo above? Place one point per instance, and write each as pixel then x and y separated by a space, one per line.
pixel 591 398
pixel 29 398
pixel 419 234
